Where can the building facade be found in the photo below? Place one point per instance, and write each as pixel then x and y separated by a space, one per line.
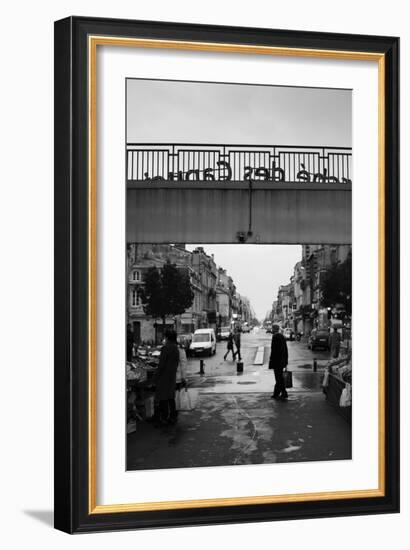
pixel 205 267
pixel 299 303
pixel 203 276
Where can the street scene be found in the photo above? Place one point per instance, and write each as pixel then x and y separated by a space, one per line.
pixel 236 422
pixel 238 274
pixel 231 416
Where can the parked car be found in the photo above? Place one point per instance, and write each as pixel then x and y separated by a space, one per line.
pixel 224 333
pixel 203 342
pixel 319 338
pixel 288 334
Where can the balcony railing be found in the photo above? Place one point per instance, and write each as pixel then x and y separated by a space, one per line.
pixel 276 163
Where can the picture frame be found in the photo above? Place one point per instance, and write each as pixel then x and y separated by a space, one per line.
pixel 77 40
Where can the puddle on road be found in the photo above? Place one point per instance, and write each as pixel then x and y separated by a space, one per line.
pixel 213 382
pixel 307 380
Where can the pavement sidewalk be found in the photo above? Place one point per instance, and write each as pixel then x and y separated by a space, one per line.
pixel 243 427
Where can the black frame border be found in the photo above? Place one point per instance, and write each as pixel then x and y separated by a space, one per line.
pixel 71 274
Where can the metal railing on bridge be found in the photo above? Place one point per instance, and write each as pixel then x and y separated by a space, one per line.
pixel 219 162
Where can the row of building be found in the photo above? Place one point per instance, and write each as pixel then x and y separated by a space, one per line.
pixel 299 303
pixel 216 303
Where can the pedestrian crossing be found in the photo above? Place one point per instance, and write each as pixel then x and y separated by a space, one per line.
pixel 259 357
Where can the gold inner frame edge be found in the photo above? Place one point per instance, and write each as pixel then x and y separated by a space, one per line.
pixel 93 42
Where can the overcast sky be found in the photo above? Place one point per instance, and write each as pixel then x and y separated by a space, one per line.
pixel 257 269
pixel 197 112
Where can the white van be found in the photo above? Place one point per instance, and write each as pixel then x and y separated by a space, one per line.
pixel 203 342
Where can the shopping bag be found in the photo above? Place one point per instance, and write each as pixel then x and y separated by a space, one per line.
pixel 194 397
pixel 184 400
pixel 187 399
pixel 346 396
pixel 288 378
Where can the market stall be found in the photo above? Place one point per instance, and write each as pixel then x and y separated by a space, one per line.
pixel 337 385
pixel 140 373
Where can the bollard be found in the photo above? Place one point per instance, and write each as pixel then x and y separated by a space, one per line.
pixel 239 367
pixel 314 365
pixel 201 367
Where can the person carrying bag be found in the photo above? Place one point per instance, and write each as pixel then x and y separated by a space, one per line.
pixel 278 361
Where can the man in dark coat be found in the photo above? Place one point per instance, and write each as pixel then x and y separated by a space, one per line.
pixel 278 361
pixel 166 379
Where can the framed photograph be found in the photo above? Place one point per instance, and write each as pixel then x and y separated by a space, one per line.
pixel 226 274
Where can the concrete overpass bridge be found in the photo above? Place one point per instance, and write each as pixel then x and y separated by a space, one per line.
pixel 221 193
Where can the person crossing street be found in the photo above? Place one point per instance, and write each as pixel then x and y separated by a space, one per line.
pixel 237 340
pixel 229 346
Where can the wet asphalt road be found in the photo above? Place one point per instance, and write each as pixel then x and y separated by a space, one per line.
pixel 300 357
pixel 236 422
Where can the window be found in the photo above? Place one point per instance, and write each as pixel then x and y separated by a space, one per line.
pixel 135 275
pixel 136 299
pixel 201 337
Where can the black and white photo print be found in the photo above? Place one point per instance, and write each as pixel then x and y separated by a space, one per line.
pixel 238 274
